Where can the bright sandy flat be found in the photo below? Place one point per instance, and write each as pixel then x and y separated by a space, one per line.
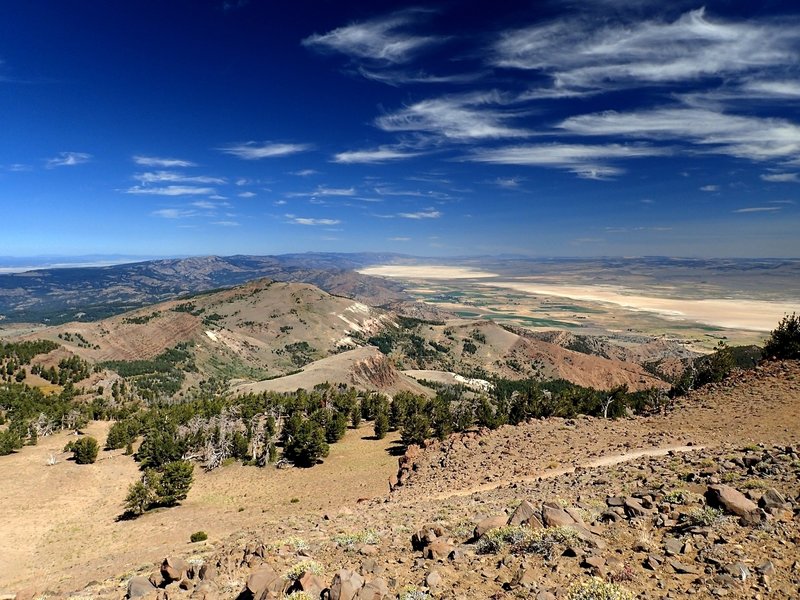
pixel 746 314
pixel 756 315
pixel 426 272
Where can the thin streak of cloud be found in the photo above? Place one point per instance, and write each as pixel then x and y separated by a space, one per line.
pixel 171 190
pixel 257 151
pixel 378 155
pixel 455 118
pixel 781 177
pixel 753 138
pixel 311 221
pixel 163 163
pixel 68 159
pixel 424 214
pixel 175 177
pixel 757 209
pixel 382 40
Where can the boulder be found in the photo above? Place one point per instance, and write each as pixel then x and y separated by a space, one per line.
pixel 733 501
pixel 205 591
pixel 488 525
pixel 310 583
pixel 173 569
pixel 139 586
pixel 264 582
pixel 374 590
pixel 425 535
pixel 434 582
pixel 525 514
pixel 555 516
pixel 772 499
pixel 346 584
pixel 634 508
pixel 438 550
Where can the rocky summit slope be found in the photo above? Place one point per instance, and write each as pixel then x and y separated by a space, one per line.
pixel 700 502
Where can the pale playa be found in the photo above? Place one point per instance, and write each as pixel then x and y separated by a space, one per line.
pixel 425 272
pixel 754 315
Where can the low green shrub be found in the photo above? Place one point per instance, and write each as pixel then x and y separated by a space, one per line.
pixel 597 589
pixel 198 536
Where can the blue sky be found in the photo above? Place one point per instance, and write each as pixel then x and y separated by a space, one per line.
pixel 550 128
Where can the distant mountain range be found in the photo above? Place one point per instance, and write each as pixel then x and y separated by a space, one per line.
pixel 58 295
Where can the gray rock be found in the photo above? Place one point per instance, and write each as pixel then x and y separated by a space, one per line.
pixel 139 586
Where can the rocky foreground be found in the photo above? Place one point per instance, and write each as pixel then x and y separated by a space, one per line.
pixel 711 519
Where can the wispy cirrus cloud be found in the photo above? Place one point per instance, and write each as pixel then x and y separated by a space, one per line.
pixel 310 220
pixel 580 56
pixel 174 213
pixel 386 40
pixel 781 177
pixel 467 117
pixel 226 223
pixel 404 77
pixel 68 159
pixel 175 177
pixel 163 163
pixel 758 209
pixel 210 205
pixel 422 214
pixel 709 188
pixel 586 161
pixel 171 190
pixel 378 155
pixel 259 150
pixel 750 137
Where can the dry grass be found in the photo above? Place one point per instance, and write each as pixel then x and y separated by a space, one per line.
pixel 59 528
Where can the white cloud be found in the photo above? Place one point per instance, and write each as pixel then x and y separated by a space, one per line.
pixel 311 221
pixel 247 195
pixel 209 205
pixel 173 176
pixel 279 202
pixel 226 223
pixel 507 182
pixel 173 213
pixel 378 155
pixel 754 138
pixel 171 190
pixel 580 55
pixel 457 118
pixel 772 88
pixel 68 159
pixel 782 177
pixel 756 209
pixel 399 239
pixel 709 188
pixel 586 161
pixel 423 214
pixel 304 172
pixel 400 77
pixel 164 163
pixel 377 40
pixel 255 150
